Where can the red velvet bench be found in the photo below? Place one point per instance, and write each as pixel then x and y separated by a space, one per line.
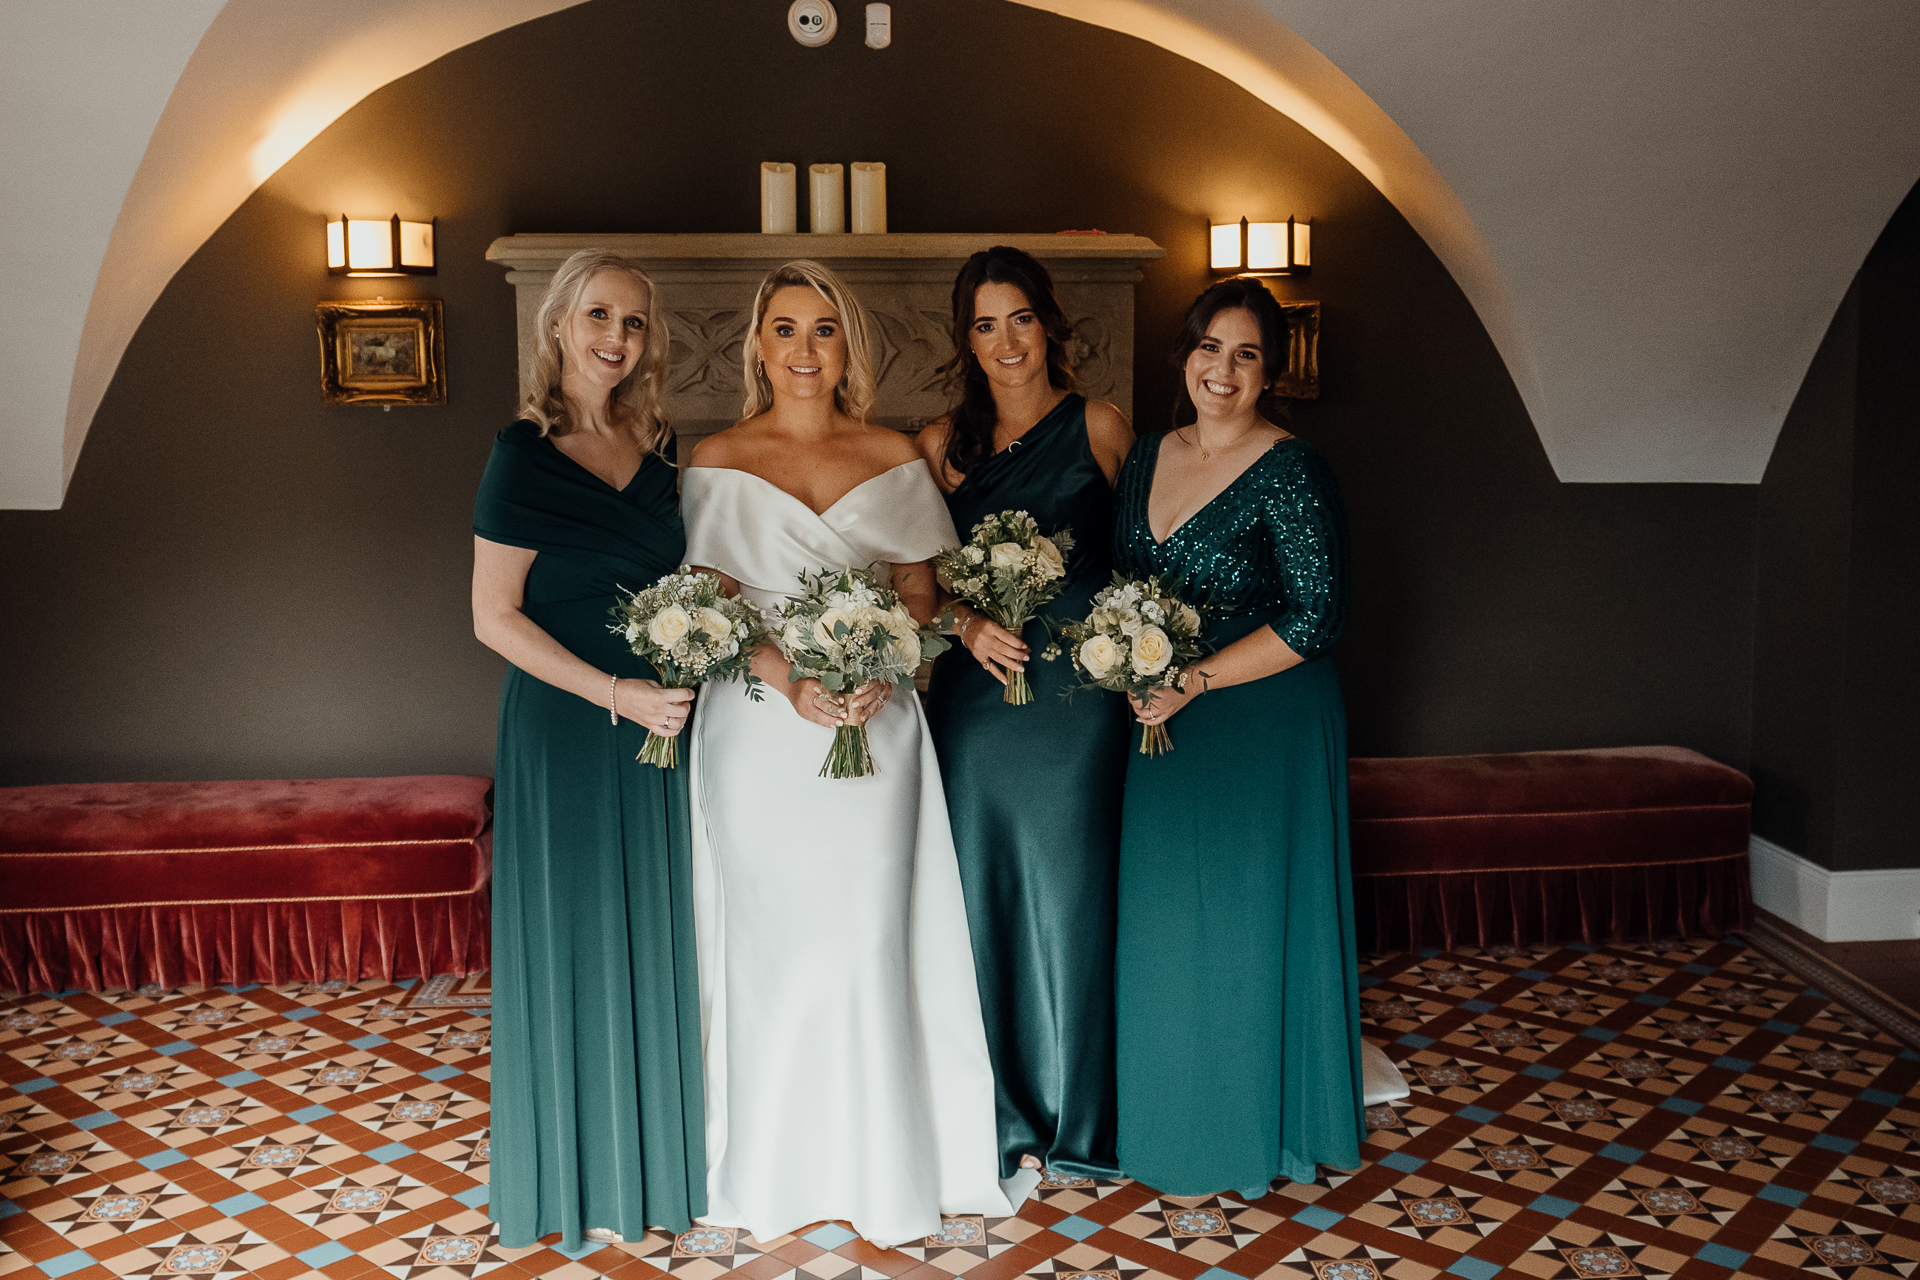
pixel 108 885
pixel 1548 847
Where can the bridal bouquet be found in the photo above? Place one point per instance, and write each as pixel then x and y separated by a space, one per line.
pixel 1140 638
pixel 692 634
pixel 844 628
pixel 1007 570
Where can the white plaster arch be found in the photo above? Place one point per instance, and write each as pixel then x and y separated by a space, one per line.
pixel 1654 208
pixel 245 85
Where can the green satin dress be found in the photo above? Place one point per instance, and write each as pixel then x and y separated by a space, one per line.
pixel 1034 795
pixel 597 1111
pixel 1236 978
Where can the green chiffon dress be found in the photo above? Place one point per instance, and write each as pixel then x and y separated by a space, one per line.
pixel 1236 984
pixel 1034 795
pixel 597 1116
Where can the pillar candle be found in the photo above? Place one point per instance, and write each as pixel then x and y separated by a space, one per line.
pixel 869 199
pixel 779 199
pixel 828 190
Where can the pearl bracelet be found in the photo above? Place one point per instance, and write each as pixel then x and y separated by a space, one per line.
pixel 613 687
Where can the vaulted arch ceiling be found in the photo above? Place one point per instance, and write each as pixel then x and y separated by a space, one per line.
pixel 1654 208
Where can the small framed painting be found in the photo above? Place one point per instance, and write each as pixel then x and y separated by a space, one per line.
pixel 1301 381
pixel 382 352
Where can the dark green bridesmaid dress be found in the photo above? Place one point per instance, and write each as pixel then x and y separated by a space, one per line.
pixel 1236 985
pixel 596 1088
pixel 1034 795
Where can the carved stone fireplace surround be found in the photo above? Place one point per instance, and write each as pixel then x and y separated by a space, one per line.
pixel 906 280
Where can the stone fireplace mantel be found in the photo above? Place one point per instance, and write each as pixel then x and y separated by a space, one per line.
pixel 905 280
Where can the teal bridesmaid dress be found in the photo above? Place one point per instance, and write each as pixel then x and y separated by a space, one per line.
pixel 597 1115
pixel 1236 984
pixel 1034 795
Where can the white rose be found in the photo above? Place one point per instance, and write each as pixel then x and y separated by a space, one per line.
pixel 732 647
pixel 1008 555
pixel 1188 619
pixel 716 624
pixel 669 626
pixel 1152 651
pixel 823 629
pixel 1130 624
pixel 1099 655
pixel 1047 556
pixel 794 638
pixel 906 637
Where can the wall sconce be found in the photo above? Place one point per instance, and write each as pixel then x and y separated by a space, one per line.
pixel 1266 248
pixel 374 248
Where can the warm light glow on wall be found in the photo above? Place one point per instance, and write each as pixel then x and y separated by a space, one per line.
pixel 357 247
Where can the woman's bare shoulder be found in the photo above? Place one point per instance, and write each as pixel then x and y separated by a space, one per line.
pixel 723 448
pixel 886 446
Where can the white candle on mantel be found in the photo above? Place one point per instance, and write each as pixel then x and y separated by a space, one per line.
pixel 869 198
pixel 779 199
pixel 828 190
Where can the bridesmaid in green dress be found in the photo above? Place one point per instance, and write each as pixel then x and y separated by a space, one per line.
pixel 1034 790
pixel 597 1116
pixel 1236 977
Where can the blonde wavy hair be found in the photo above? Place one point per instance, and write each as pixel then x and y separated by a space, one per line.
pixel 639 393
pixel 855 394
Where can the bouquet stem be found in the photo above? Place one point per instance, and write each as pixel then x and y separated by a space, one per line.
pixel 1154 740
pixel 660 751
pixel 1019 692
pixel 849 756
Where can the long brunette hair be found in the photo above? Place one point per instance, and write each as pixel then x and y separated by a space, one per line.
pixel 970 441
pixel 1252 297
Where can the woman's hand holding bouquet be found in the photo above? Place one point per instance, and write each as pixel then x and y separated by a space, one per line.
pixel 1007 569
pixel 1140 639
pixel 845 629
pixel 692 634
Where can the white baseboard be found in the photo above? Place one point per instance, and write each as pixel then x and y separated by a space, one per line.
pixel 1835 906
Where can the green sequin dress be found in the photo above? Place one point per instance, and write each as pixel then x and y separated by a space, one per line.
pixel 1236 984
pixel 1034 795
pixel 597 1112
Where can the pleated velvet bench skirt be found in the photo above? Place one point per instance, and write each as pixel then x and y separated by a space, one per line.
pixel 108 885
pixel 1548 847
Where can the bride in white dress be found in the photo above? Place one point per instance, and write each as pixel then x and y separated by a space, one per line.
pixel 846 1065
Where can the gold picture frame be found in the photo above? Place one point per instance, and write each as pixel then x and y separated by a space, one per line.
pixel 382 353
pixel 1302 378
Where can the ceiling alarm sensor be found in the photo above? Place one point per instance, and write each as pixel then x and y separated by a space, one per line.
pixel 879 26
pixel 812 22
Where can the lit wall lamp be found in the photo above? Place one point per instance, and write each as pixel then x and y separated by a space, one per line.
pixel 1265 248
pixel 374 248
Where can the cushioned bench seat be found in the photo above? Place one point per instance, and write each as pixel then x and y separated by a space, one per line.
pixel 1548 847
pixel 119 884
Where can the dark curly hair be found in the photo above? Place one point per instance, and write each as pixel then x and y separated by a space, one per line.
pixel 970 441
pixel 1250 296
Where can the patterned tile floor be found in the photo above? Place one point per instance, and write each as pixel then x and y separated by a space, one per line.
pixel 1689 1111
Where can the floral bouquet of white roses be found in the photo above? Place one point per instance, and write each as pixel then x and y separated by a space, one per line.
pixel 1139 639
pixel 1006 569
pixel 692 634
pixel 844 628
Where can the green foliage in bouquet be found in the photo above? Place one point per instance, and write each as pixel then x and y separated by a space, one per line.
pixel 1007 569
pixel 844 627
pixel 693 634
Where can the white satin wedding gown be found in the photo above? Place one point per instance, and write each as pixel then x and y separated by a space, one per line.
pixel 846 1062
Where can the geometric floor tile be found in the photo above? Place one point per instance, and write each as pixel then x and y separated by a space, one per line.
pixel 1652 1110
